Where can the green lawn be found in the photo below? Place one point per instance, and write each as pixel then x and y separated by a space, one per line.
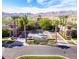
pixel 42 57
pixel 6 38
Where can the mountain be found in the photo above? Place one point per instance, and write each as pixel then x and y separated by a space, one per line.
pixel 16 14
pixel 6 14
pixel 58 13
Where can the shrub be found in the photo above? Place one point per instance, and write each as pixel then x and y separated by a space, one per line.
pixel 43 43
pixel 36 42
pixel 74 34
pixel 51 41
pixel 30 41
pixel 5 33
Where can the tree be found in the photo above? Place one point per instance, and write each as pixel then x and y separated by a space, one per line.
pixel 63 21
pixel 24 20
pixel 31 25
pixel 19 23
pixel 14 18
pixel 55 23
pixel 44 23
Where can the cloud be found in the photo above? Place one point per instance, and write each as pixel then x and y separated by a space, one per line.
pixel 52 5
pixel 69 3
pixel 41 1
pixel 47 3
pixel 34 10
pixel 59 3
pixel 29 1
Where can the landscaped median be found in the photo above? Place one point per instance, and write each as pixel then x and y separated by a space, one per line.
pixel 41 57
pixel 41 41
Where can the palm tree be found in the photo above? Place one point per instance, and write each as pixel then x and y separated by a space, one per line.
pixel 20 25
pixel 14 19
pixel 24 19
pixel 55 23
pixel 63 21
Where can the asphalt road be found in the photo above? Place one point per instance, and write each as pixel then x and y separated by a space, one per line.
pixel 12 53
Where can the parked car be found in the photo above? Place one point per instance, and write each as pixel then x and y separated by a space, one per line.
pixel 63 45
pixel 10 44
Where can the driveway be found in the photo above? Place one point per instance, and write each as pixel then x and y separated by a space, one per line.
pixel 12 53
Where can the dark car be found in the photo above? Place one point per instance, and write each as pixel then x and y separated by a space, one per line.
pixel 3 58
pixel 4 43
pixel 63 45
pixel 10 44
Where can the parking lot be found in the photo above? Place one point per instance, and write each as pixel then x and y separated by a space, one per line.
pixel 12 53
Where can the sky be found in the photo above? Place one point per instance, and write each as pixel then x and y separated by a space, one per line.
pixel 37 6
